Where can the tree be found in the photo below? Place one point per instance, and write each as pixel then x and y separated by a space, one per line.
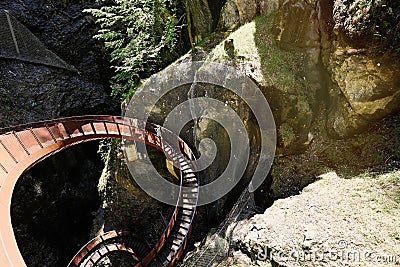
pixel 140 36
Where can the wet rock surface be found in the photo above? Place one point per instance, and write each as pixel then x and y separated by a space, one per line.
pixel 30 92
pixel 67 31
pixel 53 202
pixel 124 206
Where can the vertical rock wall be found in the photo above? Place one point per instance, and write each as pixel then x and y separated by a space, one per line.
pixel 53 203
pixel 321 83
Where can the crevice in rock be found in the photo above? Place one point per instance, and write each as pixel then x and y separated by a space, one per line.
pixel 215 8
pixel 324 9
pixel 54 204
pixel 263 196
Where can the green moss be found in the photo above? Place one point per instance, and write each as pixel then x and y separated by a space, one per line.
pixel 288 135
pixel 281 68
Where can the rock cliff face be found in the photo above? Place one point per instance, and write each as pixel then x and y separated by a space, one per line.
pixel 67 31
pixel 39 92
pixel 30 92
pixel 328 86
pixel 352 74
pixel 52 204
pixel 282 52
pixel 321 82
pixel 203 16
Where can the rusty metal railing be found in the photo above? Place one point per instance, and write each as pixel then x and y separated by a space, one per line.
pixel 21 147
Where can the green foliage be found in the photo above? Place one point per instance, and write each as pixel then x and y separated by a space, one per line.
pixel 140 36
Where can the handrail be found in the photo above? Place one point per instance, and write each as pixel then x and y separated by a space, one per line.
pixel 27 144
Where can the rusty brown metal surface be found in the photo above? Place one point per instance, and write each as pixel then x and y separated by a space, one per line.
pixel 21 147
pixel 101 246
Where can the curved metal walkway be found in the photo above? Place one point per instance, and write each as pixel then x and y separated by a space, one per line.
pixel 21 147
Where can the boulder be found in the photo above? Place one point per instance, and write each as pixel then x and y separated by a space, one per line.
pixel 368 89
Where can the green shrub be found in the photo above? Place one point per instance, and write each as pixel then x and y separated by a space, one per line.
pixel 140 36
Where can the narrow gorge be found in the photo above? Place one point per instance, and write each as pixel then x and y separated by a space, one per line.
pixel 328 69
